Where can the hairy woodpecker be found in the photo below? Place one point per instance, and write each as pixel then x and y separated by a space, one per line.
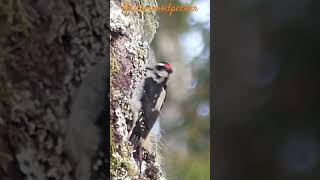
pixel 149 99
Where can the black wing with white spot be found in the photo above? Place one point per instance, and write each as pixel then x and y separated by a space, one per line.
pixel 152 101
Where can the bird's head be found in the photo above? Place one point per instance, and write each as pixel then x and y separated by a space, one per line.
pixel 161 71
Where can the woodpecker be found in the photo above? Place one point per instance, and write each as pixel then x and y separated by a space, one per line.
pixel 149 99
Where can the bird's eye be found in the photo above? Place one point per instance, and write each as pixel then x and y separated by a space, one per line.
pixel 160 68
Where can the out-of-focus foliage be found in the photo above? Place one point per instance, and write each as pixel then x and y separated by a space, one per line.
pixel 183 40
pixel 195 167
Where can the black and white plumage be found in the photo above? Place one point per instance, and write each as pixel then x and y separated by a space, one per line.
pixel 149 102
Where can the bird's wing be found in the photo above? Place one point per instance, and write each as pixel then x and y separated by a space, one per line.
pixel 161 100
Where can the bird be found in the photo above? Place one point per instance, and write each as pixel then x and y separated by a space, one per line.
pixel 149 99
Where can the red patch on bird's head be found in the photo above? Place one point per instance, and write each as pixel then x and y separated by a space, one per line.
pixel 168 67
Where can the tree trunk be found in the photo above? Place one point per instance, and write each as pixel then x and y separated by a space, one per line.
pixel 53 65
pixel 130 36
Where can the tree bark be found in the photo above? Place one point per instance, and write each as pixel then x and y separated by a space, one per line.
pixel 130 36
pixel 51 51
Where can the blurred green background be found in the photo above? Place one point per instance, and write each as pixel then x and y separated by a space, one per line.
pixel 183 39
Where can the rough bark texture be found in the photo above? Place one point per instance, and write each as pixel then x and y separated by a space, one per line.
pixel 48 48
pixel 130 53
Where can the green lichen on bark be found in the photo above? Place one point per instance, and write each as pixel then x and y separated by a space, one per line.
pixel 151 20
